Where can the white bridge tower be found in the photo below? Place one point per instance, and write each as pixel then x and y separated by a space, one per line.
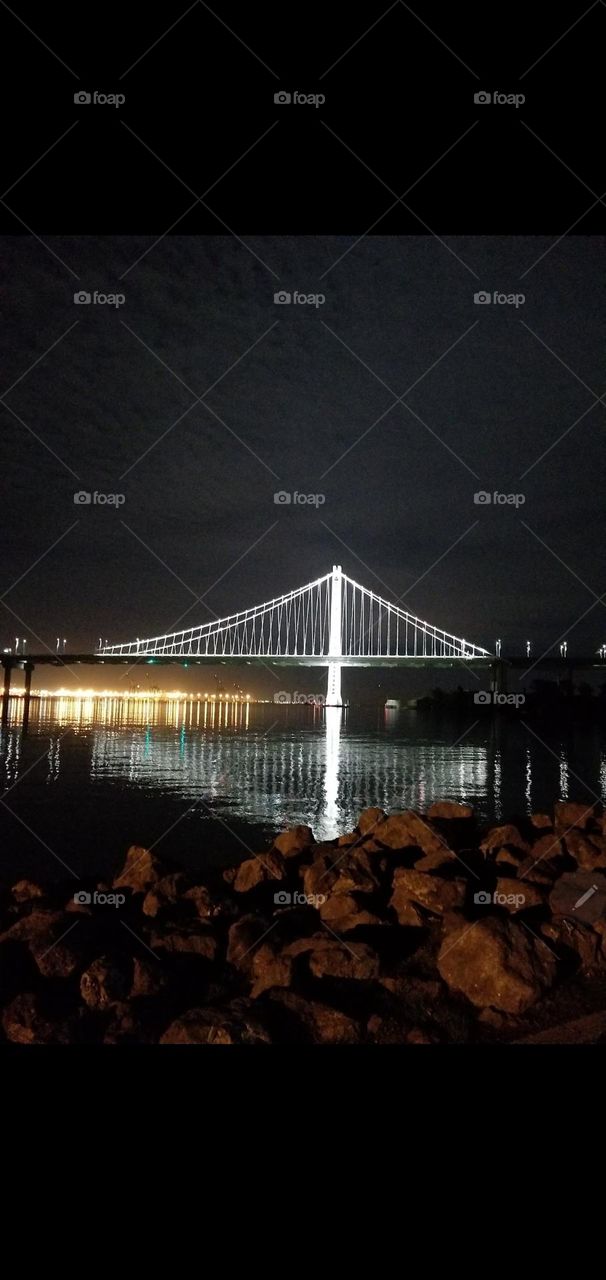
pixel 335 642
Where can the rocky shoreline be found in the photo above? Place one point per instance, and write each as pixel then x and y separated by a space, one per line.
pixel 411 929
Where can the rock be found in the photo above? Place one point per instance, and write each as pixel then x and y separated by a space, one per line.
pixel 580 895
pixel 497 964
pixel 431 892
pixel 576 937
pixel 436 861
pixel 408 915
pixel 295 841
pixel 343 912
pixel 589 852
pixel 543 864
pixel 329 958
pixel 269 969
pixel 541 821
pixel 27 890
pixel 567 815
pixel 205 905
pixel 509 891
pixel 450 809
pixel 244 935
pixel 386 1029
pixel 369 820
pixel 126 1027
pixel 49 936
pixel 106 982
pixel 24 1022
pixel 352 838
pixel 141 870
pixel 217 1026
pixel 409 830
pixel 149 978
pixel 256 871
pixel 164 893
pixel 354 874
pixel 321 875
pixel 505 836
pixel 229 874
pixel 320 1023
pixel 508 857
pixel 189 940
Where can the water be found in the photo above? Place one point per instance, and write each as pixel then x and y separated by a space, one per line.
pixel 207 784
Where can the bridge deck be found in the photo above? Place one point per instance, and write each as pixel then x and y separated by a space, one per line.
pixel 277 660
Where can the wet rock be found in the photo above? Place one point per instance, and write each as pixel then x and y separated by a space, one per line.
pixel 506 836
pixel 269 969
pixel 588 851
pixel 24 1021
pixel 141 870
pixel 106 982
pixel 514 897
pixel 567 815
pixel 318 1022
pixel 328 958
pixel 164 893
pixel 449 809
pixel 431 892
pixel 496 963
pixel 233 1025
pixel 188 940
pixel 295 841
pixel 256 871
pixel 370 820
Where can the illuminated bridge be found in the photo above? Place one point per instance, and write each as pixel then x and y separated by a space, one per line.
pixel 331 622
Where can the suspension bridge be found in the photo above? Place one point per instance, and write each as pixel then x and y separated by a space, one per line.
pixel 332 622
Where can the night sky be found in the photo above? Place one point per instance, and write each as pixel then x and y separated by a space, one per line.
pixel 291 393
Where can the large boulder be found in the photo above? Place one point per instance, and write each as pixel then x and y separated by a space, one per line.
pixel 496 964
pixel 409 830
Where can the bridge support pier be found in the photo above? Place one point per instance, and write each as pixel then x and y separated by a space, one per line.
pixel 28 668
pixel 335 641
pixel 8 666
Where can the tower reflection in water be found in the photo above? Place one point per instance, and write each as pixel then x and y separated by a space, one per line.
pixel 273 765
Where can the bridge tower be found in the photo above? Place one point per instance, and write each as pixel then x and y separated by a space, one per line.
pixel 335 643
